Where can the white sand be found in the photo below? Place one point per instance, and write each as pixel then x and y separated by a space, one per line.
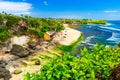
pixel 68 36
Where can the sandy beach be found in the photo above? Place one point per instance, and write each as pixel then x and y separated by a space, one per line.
pixel 69 36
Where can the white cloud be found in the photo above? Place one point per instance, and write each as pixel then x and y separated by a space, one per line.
pixel 45 3
pixel 16 8
pixel 111 11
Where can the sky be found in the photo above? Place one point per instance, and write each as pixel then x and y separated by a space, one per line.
pixel 77 9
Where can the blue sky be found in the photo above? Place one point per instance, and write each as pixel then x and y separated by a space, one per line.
pixel 90 9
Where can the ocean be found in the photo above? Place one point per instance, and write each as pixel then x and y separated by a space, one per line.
pixel 108 34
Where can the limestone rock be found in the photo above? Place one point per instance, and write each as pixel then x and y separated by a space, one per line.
pixel 19 51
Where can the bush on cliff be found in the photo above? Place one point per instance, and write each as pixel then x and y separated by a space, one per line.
pixel 96 64
pixel 4 33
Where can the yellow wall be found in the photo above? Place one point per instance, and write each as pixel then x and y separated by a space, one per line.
pixel 46 36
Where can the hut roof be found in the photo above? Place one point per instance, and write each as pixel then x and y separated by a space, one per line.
pixel 50 33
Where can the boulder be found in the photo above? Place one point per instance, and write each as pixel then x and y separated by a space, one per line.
pixel 32 45
pixel 38 47
pixel 19 51
pixel 31 51
pixel 8 46
pixel 4 73
pixel 2 64
pixel 12 58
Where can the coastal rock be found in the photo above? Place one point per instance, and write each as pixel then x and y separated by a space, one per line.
pixel 13 58
pixel 8 46
pixel 38 47
pixel 19 51
pixel 22 40
pixel 32 45
pixel 2 64
pixel 4 73
pixel 30 50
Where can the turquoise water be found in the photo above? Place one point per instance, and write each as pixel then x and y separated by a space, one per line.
pixel 108 34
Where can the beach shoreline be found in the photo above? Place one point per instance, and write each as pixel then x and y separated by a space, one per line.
pixel 68 36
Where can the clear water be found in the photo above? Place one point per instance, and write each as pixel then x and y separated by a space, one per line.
pixel 108 34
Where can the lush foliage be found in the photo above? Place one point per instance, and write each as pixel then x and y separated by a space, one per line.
pixel 35 26
pixel 35 32
pixel 82 21
pixel 4 33
pixel 39 26
pixel 98 61
pixel 11 20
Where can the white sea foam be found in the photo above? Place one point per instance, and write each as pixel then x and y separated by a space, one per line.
pixel 108 24
pixel 90 44
pixel 90 26
pixel 88 39
pixel 109 28
pixel 115 37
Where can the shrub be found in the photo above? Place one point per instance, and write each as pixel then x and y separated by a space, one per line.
pixel 4 33
pixel 58 27
pixel 100 60
pixel 35 32
pixel 11 20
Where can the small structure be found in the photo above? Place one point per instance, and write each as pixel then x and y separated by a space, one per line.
pixel 48 36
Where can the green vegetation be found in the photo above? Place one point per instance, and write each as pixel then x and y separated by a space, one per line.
pixel 99 61
pixel 81 21
pixel 11 20
pixel 29 25
pixel 4 33
pixel 35 32
pixel 18 25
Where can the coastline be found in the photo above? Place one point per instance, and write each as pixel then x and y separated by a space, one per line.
pixel 68 36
